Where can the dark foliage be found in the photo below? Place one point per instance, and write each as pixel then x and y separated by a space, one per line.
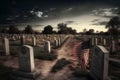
pixel 13 30
pixel 47 56
pixel 60 64
pixel 48 30
pixel 28 30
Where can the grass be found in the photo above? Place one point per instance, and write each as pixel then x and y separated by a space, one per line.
pixel 46 56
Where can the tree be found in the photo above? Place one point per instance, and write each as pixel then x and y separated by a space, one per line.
pixel 4 30
pixel 48 30
pixel 91 31
pixel 13 29
pixel 28 30
pixel 114 23
pixel 114 26
pixel 63 29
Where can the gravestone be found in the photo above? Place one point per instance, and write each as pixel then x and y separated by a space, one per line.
pixel 26 59
pixel 99 63
pixel 113 46
pixel 34 41
pixel 55 43
pixel 47 47
pixel 26 65
pixel 59 41
pixel 104 41
pixel 92 41
pixel 96 41
pixel 6 48
pixel 22 40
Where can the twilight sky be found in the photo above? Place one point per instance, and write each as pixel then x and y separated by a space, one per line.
pixel 78 14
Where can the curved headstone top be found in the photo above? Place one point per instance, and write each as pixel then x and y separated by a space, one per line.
pixel 26 59
pixel 103 49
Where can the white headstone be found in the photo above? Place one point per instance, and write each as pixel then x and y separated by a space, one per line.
pixel 96 41
pixel 34 41
pixel 26 59
pixel 104 41
pixel 47 46
pixel 55 43
pixel 6 46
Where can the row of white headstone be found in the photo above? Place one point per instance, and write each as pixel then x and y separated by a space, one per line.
pixel 26 60
pixel 94 41
pixel 47 44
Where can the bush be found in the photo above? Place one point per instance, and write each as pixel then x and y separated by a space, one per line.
pixel 60 64
pixel 47 56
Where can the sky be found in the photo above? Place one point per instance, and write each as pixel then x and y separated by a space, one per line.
pixel 78 14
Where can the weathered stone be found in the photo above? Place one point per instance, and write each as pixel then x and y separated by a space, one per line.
pixel 99 63
pixel 104 41
pixel 47 47
pixel 113 46
pixel 22 40
pixel 26 59
pixel 34 41
pixel 6 48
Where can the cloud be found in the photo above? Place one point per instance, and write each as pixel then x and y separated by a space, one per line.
pixel 69 22
pixel 37 13
pixel 105 12
pixel 39 25
pixel 69 9
pixel 52 9
pixel 101 23
pixel 46 16
pixel 95 20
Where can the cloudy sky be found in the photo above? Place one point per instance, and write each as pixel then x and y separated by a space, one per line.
pixel 78 14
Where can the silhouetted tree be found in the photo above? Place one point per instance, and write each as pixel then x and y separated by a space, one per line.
pixel 28 30
pixel 48 30
pixel 91 31
pixel 63 29
pixel 13 29
pixel 114 26
pixel 4 30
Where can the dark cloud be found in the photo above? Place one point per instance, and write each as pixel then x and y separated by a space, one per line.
pixel 52 9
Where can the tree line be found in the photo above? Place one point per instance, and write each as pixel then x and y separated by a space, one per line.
pixel 113 29
pixel 62 29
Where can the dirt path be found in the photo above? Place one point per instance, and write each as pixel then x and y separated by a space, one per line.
pixel 67 52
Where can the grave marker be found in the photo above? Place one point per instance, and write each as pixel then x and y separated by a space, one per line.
pixel 47 46
pixel 26 59
pixel 99 63
pixel 6 48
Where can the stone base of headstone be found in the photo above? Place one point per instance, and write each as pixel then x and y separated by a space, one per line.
pixel 20 75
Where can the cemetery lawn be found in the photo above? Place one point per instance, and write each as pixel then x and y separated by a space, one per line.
pixel 45 66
